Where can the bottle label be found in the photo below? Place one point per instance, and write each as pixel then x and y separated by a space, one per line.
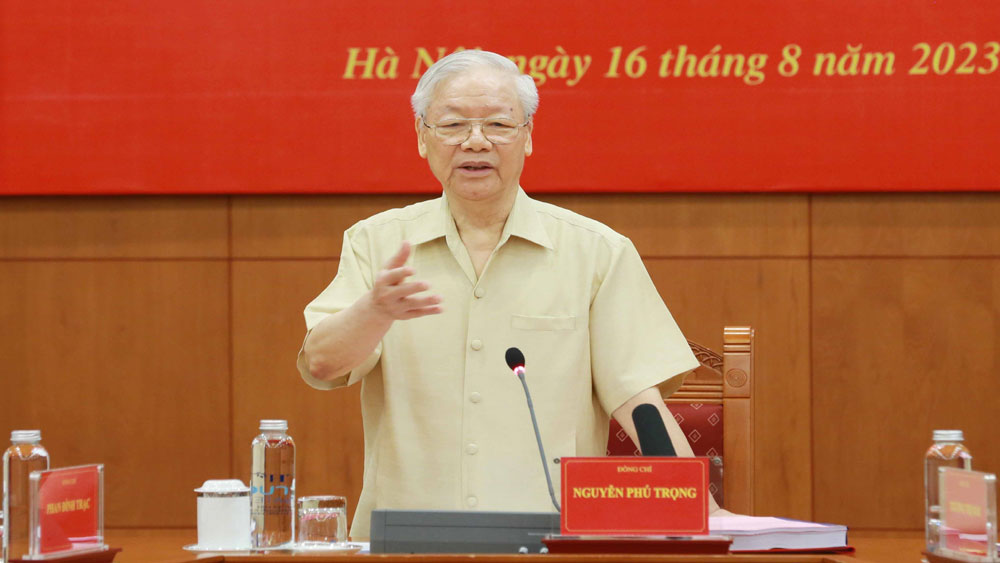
pixel 276 491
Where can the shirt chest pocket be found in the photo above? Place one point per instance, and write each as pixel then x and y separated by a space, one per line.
pixel 549 323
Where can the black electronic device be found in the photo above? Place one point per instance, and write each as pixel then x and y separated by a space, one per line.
pixel 652 432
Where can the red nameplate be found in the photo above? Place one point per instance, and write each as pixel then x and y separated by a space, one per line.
pixel 69 509
pixel 634 495
pixel 968 511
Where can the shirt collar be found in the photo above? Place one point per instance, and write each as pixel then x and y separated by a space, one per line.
pixel 434 224
pixel 523 222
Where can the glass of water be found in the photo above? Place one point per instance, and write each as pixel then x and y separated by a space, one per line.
pixel 322 522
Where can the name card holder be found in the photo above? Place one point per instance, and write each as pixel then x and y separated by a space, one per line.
pixel 968 516
pixel 67 514
pixel 635 505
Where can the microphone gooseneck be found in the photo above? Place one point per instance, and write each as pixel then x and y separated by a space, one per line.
pixel 515 361
pixel 652 433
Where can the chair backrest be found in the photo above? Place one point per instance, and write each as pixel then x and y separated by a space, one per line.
pixel 714 409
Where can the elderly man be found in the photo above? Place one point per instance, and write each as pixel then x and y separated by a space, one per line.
pixel 429 297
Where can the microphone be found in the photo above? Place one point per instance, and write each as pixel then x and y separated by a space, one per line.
pixel 515 361
pixel 652 433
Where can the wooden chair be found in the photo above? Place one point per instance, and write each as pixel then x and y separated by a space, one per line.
pixel 714 409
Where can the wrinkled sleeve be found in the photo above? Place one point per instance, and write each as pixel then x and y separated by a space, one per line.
pixel 354 278
pixel 635 343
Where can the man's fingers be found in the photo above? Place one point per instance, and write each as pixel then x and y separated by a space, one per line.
pixel 422 302
pixel 421 306
pixel 399 259
pixel 395 297
pixel 422 312
pixel 394 276
pixel 404 290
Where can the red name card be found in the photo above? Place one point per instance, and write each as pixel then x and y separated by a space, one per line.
pixel 968 513
pixel 634 496
pixel 66 510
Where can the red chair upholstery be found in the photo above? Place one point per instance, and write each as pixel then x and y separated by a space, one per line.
pixel 701 424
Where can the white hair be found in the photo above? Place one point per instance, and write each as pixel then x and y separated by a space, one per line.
pixel 462 61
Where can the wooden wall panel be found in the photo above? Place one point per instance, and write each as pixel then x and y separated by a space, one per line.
pixel 302 226
pixel 122 363
pixel 113 227
pixel 900 347
pixel 151 330
pixel 704 295
pixel 906 225
pixel 700 225
pixel 268 327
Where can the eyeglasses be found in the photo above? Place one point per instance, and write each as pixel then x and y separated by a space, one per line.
pixel 497 130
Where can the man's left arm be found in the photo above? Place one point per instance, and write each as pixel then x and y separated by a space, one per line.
pixel 637 351
pixel 635 343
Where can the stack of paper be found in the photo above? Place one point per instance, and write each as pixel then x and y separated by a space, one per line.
pixel 759 533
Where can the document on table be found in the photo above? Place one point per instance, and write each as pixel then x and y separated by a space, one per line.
pixel 758 533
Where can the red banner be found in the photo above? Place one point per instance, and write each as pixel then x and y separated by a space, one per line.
pixel 255 96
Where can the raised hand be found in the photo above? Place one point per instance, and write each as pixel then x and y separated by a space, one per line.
pixel 393 297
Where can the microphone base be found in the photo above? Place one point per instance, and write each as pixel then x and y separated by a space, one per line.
pixel 460 531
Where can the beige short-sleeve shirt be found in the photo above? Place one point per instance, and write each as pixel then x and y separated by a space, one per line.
pixel 446 422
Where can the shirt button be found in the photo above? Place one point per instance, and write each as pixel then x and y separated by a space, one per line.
pixel 475 397
pixel 477 344
pixel 471 449
pixel 479 292
pixel 471 501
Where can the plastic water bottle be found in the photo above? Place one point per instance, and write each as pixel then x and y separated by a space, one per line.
pixel 947 451
pixel 272 485
pixel 26 454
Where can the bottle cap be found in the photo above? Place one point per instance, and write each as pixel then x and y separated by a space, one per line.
pixel 26 436
pixel 948 436
pixel 267 424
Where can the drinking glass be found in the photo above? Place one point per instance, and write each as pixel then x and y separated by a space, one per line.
pixel 322 522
